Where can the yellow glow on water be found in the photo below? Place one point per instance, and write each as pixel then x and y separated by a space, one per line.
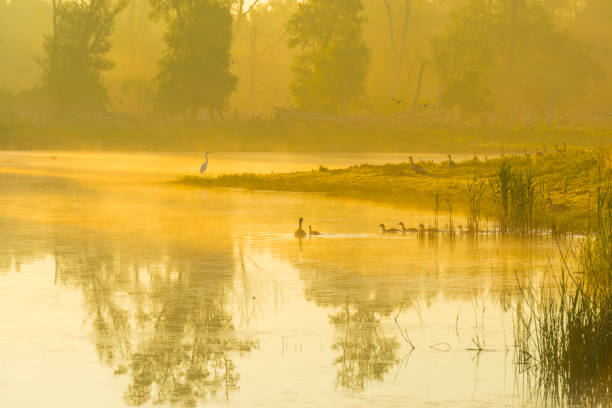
pixel 129 167
pixel 98 276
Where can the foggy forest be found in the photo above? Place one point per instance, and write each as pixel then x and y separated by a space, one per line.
pixel 399 64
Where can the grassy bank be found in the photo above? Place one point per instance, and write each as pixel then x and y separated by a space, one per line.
pixel 291 136
pixel 520 193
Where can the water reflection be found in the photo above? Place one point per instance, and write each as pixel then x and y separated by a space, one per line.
pixel 160 320
pixel 186 299
pixel 188 357
pixel 364 353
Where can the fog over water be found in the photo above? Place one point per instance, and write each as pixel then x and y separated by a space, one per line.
pixel 142 291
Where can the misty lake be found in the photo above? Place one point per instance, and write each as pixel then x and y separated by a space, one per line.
pixel 119 289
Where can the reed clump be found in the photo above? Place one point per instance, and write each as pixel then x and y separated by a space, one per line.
pixel 518 197
pixel 563 333
pixel 475 192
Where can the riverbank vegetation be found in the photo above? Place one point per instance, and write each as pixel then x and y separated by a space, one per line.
pixel 563 333
pixel 519 194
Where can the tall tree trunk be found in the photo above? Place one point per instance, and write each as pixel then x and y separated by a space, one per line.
pixel 252 65
pixel 551 106
pixel 417 93
pixel 398 51
pixel 54 19
pixel 517 100
pixel 345 96
pixel 241 13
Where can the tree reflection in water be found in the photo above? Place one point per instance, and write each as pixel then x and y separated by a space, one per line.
pixel 188 357
pixel 365 354
pixel 160 321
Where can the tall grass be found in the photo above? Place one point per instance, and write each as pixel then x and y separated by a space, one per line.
pixel 564 328
pixel 475 191
pixel 519 202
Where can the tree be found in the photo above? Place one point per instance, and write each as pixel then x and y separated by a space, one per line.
pixel 194 70
pixel 75 55
pixel 510 49
pixel 331 68
pixel 397 48
pixel 262 59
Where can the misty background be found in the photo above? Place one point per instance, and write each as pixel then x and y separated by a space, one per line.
pixel 499 62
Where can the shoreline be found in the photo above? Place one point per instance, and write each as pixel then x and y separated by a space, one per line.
pixel 565 184
pixel 293 137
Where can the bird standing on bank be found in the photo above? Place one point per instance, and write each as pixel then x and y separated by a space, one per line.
pixel 417 169
pixel 204 165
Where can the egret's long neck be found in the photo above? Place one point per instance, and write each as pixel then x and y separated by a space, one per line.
pixel 206 156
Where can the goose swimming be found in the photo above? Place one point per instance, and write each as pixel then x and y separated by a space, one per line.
pixel 300 233
pixel 405 230
pixel 389 230
pixel 311 232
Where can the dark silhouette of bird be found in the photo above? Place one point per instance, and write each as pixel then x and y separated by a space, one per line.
pixel 300 233
pixel 388 230
pixel 397 101
pixel 405 230
pixel 417 169
pixel 451 163
pixel 311 232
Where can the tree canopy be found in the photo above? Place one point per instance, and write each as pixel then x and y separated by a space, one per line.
pixel 331 68
pixel 502 61
pixel 512 45
pixel 194 70
pixel 75 55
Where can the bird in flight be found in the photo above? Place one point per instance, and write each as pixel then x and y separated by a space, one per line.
pixel 397 101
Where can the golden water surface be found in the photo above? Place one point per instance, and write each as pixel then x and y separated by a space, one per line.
pixel 119 289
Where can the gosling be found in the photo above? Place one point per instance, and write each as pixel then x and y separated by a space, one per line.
pixel 389 230
pixel 405 230
pixel 313 233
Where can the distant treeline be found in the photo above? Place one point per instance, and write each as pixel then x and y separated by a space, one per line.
pixel 501 62
pixel 278 135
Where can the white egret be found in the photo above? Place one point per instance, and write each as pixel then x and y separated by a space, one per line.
pixel 205 164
